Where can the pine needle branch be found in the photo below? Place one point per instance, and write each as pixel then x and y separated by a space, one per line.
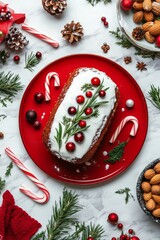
pixel 8 170
pixel 94 2
pixel 154 94
pixel 127 193
pixel 2 184
pixel 31 61
pixel 9 86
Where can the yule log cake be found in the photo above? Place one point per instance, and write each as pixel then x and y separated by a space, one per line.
pixel 81 115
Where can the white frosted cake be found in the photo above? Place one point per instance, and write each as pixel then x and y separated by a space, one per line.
pixel 81 115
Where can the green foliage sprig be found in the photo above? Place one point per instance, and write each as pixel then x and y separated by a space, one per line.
pixel 154 94
pixel 127 193
pixel 94 2
pixel 31 61
pixel 9 86
pixel 7 173
pixel 64 226
pixel 2 184
pixel 125 43
pixel 116 153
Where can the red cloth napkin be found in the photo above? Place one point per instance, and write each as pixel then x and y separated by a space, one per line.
pixel 15 223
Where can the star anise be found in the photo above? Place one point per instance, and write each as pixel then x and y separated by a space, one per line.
pixel 72 32
pixel 105 47
pixel 127 60
pixel 141 66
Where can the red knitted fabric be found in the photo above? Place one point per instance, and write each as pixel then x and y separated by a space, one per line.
pixel 15 223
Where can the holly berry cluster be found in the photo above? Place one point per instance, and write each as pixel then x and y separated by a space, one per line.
pixel 105 22
pixel 31 115
pixel 113 219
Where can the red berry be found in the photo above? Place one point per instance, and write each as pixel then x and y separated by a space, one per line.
pixel 80 99
pixel 102 93
pixel 72 110
pixel 79 137
pixel 37 124
pixel 120 225
pixel 88 111
pixel 134 238
pixel 16 59
pixel 89 94
pixel 126 5
pixel 114 238
pixel 106 24
pixel 123 237
pixel 130 231
pixel 113 218
pixel 70 146
pixel 95 81
pixel 31 116
pixel 39 97
pixel 157 41
pixel 90 238
pixel 103 19
pixel 38 55
pixel 82 123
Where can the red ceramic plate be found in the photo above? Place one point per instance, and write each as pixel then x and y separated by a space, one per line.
pixel 97 170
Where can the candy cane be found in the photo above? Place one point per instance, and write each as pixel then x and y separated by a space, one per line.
pixel 32 177
pixel 41 36
pixel 51 75
pixel 133 131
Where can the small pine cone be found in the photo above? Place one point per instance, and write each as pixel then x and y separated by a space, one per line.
pixel 72 32
pixel 127 60
pixel 138 33
pixel 5 14
pixel 105 47
pixel 15 39
pixel 54 7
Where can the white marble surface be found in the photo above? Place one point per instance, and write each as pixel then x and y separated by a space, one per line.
pixel 101 199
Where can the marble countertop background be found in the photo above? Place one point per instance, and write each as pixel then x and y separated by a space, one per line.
pixel 98 200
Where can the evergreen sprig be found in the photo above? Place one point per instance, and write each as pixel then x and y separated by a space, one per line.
pixel 31 61
pixel 116 153
pixel 154 94
pixel 94 2
pixel 8 170
pixel 127 193
pixel 2 116
pixel 125 43
pixel 9 86
pixel 2 184
pixel 64 226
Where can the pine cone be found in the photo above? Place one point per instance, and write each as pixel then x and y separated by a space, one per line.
pixel 54 7
pixel 72 32
pixel 138 33
pixel 5 15
pixel 15 39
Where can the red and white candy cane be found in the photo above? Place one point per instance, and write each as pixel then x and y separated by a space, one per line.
pixel 40 36
pixel 49 77
pixel 33 178
pixel 133 131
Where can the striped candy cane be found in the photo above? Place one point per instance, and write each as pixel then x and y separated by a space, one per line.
pixel 32 177
pixel 133 131
pixel 39 35
pixel 55 77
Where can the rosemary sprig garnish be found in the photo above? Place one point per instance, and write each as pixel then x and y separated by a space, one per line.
pixel 9 86
pixel 64 226
pixel 116 153
pixel 125 43
pixel 94 2
pixel 31 61
pixel 154 94
pixel 71 126
pixel 127 193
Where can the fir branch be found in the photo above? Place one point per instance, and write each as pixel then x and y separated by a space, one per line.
pixel 62 218
pixel 8 170
pixel 155 96
pixel 116 153
pixel 127 193
pixel 39 236
pixel 123 41
pixel 31 61
pixel 145 54
pixel 9 86
pixel 2 184
pixel 94 2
